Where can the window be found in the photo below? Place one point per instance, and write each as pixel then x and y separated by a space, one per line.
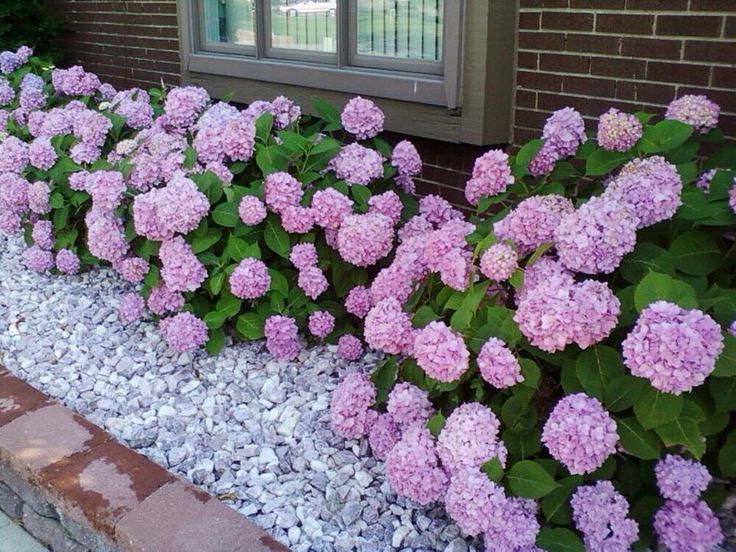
pixel 390 48
pixel 441 69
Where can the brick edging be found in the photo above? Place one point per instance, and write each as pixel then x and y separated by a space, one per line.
pixel 77 489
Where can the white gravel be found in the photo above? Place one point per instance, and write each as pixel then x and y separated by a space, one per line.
pixel 251 430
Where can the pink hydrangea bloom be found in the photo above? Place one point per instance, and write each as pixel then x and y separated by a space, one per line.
pixel 469 438
pixel 517 528
pixel 282 337
pixel 387 204
pixel 394 281
pixel 349 347
pixel 133 269
pixel 533 221
pixel 252 211
pixel 180 268
pixel 580 433
pixel 183 332
pixel 330 207
pixel 105 236
pixel 674 348
pixel 14 155
pixel 388 328
pixel 350 402
pixel 732 328
pixel 417 225
pixel 362 118
pixel 84 154
pixel 7 94
pixel 437 210
pixel 284 111
pixel 43 234
pixel 358 301
pixel 38 259
pixel 499 262
pixel 10 222
pixel 564 131
pixel 680 479
pixel 689 527
pixel 238 138
pixel 408 405
pixel 183 105
pixel 474 502
pixel 74 81
pixel 106 189
pixel 601 514
pixel 412 467
pixel 544 160
pixel 650 188
pixel 491 175
pixel 596 236
pixel 131 307
pixel 595 313
pixel 162 300
pixel 695 110
pixel 67 262
pixel 281 190
pixel 135 106
pixel 618 131
pixel 441 352
pixel 38 198
pixel 383 435
pixel 250 279
pixel 14 191
pixel 312 282
pixel 356 164
pixel 545 312
pixel 498 365
pixel 41 154
pixel 365 239
pixel 732 197
pixel 321 324
pixel 208 143
pixel 303 255
pixel 297 219
pixel 406 159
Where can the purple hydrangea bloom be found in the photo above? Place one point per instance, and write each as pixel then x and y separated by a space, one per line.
pixel 297 219
pixel 183 332
pixel 349 347
pixel 618 131
pixel 474 502
pixel 498 365
pixel 183 105
pixel 533 221
pixel 517 528
pixel 364 239
pixel 131 307
pixel 408 404
pixel 469 438
pixel 680 479
pixel 105 236
pixel 41 154
pixel 106 189
pixel 406 159
pixel 133 269
pixel 312 281
pixel 43 234
pixel 601 514
pixel 499 262
pixel 691 527
pixel 564 131
pixel 37 259
pixel 383 435
pixel 14 155
pixel 162 300
pixel 7 94
pixel 239 136
pixel 412 467
pixel 356 164
pixel 14 190
pixel 674 348
pixel 362 118
pixel 437 210
pixel 695 110
pixel 321 324
pixel 282 339
pixel 180 268
pixel 74 81
pixel 250 279
pixel 441 352
pixel 388 328
pixel 38 198
pixel 491 175
pixel 358 301
pixel 284 111
pixel 580 433
pixel 387 204
pixel 330 207
pixel 251 210
pixel 135 106
pixel 281 190
pixel 303 256
pixel 349 406
pixel 67 262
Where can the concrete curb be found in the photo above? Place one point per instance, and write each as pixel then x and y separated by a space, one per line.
pixel 77 489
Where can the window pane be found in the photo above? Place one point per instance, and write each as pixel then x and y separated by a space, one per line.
pixel 229 21
pixel 401 29
pixel 304 24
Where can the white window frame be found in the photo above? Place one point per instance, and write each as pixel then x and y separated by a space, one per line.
pixel 422 82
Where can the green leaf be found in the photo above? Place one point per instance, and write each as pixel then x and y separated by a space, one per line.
pixel 327 111
pixel 531 373
pixel 216 341
pixel 723 390
pixel 525 155
pixel 383 378
pixel 654 408
pixel 661 287
pixel 238 249
pixel 264 124
pixel 518 415
pixel 603 161
pixel 596 367
pixel 202 244
pixel 214 319
pixel 250 325
pixel 226 214
pixel 279 282
pixel 424 316
pixel 559 540
pixel 638 441
pixel 462 318
pixel 696 253
pixel 555 505
pixel 360 193
pixel 276 237
pixel 436 423
pixel 726 363
pixel 522 445
pixel 530 480
pixel 664 136
pixel 683 431
pixel 727 456
pixel 270 159
pixel 493 469
pixel 622 392
pixel 644 258
pixel 215 282
pixel 229 306
pixel 56 201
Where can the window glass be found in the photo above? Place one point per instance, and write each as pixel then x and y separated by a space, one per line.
pixel 229 21
pixel 304 25
pixel 400 29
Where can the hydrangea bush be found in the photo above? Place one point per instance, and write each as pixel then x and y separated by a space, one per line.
pixel 560 366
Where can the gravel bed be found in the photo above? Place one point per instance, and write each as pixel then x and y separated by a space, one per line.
pixel 253 431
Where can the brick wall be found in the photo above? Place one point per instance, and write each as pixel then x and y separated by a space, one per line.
pixel 588 54
pixel 127 43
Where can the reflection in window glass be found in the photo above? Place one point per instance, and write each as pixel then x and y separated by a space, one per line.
pixel 304 24
pixel 402 29
pixel 229 21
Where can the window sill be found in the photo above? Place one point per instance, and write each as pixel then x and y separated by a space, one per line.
pixel 415 88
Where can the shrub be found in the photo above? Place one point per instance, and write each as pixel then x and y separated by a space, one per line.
pixel 29 22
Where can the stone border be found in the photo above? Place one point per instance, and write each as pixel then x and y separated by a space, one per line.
pixel 76 489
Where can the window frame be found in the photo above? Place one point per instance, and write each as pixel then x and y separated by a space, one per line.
pixel 347 72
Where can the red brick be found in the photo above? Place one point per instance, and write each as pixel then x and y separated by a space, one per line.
pixel 539 81
pixel 588 86
pixel 564 63
pixel 593 43
pixel 526 98
pixel 678 73
pixel 711 5
pixel 544 3
pixel 710 52
pixel 562 21
pixel 689 25
pixel 17 397
pixel 645 92
pixel 530 119
pixel 618 67
pixel 182 518
pixel 724 77
pixel 624 23
pixel 598 4
pixel 527 60
pixel 657 5
pixel 529 20
pixel 552 102
pixel 729 30
pixel 650 48
pixel 541 41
